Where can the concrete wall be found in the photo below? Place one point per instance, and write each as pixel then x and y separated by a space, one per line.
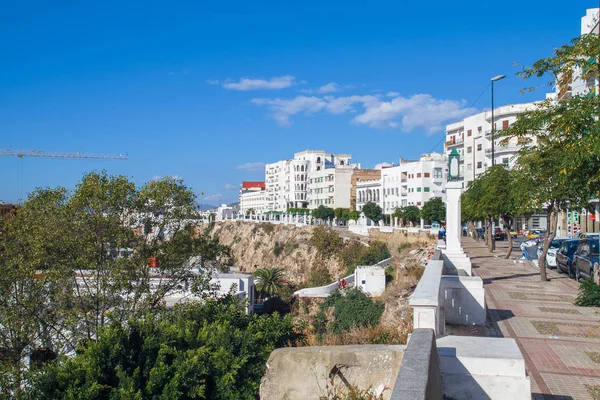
pixel 319 371
pixel 428 311
pixel 476 368
pixel 322 291
pixel 464 300
pixel 419 377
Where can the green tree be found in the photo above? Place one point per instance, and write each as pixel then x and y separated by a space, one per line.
pixel 354 215
pixel 434 210
pixel 342 214
pixel 198 351
pixel 410 214
pixel 73 261
pixel 355 309
pixel 562 170
pixel 372 211
pixel 269 281
pixel 250 211
pixel 323 213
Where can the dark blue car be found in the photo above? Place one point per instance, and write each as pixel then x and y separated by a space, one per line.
pixel 565 255
pixel 586 257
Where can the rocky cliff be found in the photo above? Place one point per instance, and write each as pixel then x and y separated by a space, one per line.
pixel 260 245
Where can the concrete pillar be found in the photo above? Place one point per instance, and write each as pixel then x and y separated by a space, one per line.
pixel 395 222
pixel 453 216
pixel 422 223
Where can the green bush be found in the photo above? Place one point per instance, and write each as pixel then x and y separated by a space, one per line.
pixel 351 255
pixel 354 309
pixel 199 351
pixel 589 295
pixel 378 251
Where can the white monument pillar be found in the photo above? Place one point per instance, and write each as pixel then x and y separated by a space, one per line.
pixel 454 256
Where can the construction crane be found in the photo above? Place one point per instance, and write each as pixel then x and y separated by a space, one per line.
pixel 46 154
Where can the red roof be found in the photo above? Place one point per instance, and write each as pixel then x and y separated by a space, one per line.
pixel 250 185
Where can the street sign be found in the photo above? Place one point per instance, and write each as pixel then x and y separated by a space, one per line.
pixel 592 217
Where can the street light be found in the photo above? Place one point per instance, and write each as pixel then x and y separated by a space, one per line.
pixel 494 79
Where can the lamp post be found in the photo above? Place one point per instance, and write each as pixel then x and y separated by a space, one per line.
pixel 494 79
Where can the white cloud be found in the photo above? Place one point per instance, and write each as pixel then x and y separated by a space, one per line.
pixel 283 109
pixel 255 166
pixel 215 196
pixel 329 88
pixel 392 94
pixel 277 82
pixel 382 164
pixel 230 187
pixel 421 111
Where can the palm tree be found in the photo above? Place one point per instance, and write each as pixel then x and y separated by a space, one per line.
pixel 269 281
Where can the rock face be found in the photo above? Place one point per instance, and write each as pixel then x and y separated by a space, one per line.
pixel 265 245
pixel 324 371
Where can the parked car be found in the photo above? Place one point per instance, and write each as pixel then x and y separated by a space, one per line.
pixel 499 234
pixel 533 234
pixel 481 232
pixel 593 235
pixel 565 255
pixel 586 256
pixel 551 255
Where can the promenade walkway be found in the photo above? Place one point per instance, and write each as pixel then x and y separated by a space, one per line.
pixel 560 341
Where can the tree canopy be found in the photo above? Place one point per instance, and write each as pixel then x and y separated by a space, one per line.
pixel 323 213
pixel 372 211
pixel 434 210
pixel 562 169
pixel 410 214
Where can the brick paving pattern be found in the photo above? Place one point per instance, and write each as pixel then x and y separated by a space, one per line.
pixel 559 341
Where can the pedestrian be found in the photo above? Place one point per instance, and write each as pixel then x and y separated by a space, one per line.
pixel 343 284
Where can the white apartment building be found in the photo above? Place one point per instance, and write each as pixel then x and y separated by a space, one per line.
pixel 412 183
pixel 253 197
pixel 471 137
pixel 330 187
pixel 287 181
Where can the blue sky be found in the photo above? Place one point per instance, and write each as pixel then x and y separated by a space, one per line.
pixel 210 91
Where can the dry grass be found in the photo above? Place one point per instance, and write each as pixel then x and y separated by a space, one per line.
pixel 379 334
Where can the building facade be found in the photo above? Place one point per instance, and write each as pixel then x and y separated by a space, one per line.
pixel 253 198
pixel 330 187
pixel 472 138
pixel 287 180
pixel 411 183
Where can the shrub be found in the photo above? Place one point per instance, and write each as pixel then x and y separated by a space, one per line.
pixel 327 242
pixel 351 255
pixel 378 251
pixel 405 245
pixel 589 295
pixel 278 248
pixel 319 276
pixel 354 309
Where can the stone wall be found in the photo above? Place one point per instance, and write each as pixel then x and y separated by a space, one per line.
pixel 323 371
pixel 363 175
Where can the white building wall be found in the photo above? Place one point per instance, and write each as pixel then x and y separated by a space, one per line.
pixel 471 137
pixel 369 192
pixel 330 187
pixel 370 279
pixel 253 199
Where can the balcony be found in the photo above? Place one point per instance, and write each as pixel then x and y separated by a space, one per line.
pixel 455 142
pixel 502 150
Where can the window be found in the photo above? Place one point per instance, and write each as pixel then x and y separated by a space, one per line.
pixel 505 124
pixel 469 132
pixel 418 175
pixel 479 129
pixel 404 203
pixel 469 150
pixel 469 167
pixel 426 189
pixel 418 203
pixel 505 161
pixel 437 173
pixel 418 189
pixel 479 147
pixel 427 174
pixel 479 164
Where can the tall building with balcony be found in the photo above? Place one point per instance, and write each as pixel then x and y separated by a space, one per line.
pixel 287 181
pixel 472 138
pixel 407 184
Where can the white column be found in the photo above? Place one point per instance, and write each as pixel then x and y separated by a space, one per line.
pixel 455 257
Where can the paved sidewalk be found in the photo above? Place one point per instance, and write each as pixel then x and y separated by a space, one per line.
pixel 560 341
